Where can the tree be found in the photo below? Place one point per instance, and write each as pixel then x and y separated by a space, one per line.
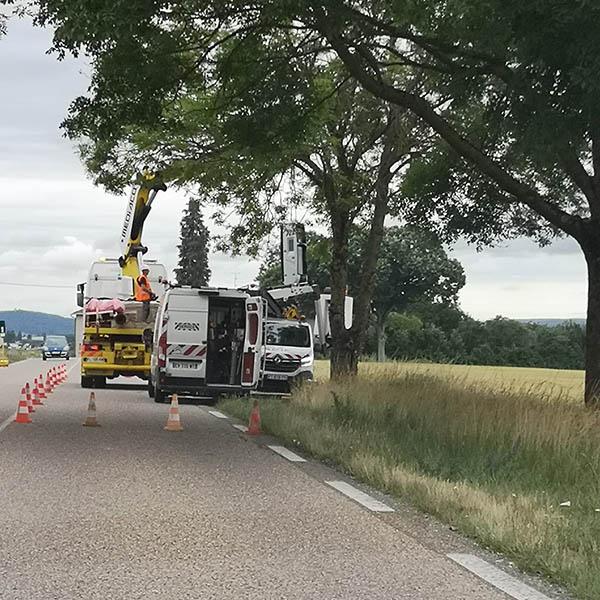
pixel 514 104
pixel 413 267
pixel 193 250
pixel 257 119
pixel 520 112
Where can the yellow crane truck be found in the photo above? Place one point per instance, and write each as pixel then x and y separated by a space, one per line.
pixel 117 330
pixel 3 350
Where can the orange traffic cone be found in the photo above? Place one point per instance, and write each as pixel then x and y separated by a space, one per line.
pixel 54 375
pixel 49 389
pixel 22 415
pixel 41 391
pixel 91 420
pixel 30 407
pixel 173 422
pixel 35 393
pixel 254 424
pixel 63 373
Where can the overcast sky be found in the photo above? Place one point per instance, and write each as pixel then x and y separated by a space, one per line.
pixel 54 222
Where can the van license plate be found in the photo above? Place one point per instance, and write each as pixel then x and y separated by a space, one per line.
pixel 180 364
pixel 278 377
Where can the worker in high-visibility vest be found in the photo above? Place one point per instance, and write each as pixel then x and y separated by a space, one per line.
pixel 143 291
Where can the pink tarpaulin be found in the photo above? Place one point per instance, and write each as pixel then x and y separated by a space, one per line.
pixel 113 305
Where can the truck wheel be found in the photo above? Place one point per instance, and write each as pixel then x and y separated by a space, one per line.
pixel 150 388
pixel 159 396
pixel 99 382
pixel 86 381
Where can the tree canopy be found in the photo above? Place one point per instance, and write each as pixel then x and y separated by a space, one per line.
pixel 514 105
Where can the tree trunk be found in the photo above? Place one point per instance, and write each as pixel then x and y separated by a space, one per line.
pixel 344 358
pixel 592 338
pixel 381 338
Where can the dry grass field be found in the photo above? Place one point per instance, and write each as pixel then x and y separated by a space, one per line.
pixel 552 384
pixel 492 451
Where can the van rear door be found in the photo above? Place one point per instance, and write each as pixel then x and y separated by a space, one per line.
pixel 253 343
pixel 187 329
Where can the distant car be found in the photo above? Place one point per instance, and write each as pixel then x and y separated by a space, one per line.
pixel 56 346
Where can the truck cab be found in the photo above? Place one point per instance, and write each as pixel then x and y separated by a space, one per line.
pixel 289 355
pixel 207 342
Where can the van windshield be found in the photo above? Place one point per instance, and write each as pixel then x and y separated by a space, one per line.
pixel 288 334
pixel 56 341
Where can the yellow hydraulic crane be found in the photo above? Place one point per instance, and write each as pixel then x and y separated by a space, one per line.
pixel 140 203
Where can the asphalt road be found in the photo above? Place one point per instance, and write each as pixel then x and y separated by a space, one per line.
pixel 130 511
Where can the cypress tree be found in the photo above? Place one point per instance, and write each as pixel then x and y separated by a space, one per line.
pixel 193 250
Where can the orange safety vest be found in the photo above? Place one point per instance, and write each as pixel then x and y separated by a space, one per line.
pixel 140 294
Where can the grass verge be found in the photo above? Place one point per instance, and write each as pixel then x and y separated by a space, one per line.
pixel 495 463
pixel 16 355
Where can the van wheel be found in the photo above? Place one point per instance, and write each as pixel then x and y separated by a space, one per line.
pixel 150 388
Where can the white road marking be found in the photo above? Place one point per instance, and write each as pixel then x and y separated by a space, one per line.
pixel 291 456
pixel 219 415
pixel 241 427
pixel 6 423
pixel 360 497
pixel 503 581
pixel 73 367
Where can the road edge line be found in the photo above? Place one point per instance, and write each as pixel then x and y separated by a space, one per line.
pixel 6 423
pixel 287 454
pixel 359 496
pixel 496 577
pixel 218 414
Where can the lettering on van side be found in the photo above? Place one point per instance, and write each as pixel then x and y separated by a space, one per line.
pixel 183 326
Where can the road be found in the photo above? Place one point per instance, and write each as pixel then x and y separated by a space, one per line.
pixel 130 511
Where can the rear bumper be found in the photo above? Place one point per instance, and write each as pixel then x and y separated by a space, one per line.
pixel 190 386
pixel 114 370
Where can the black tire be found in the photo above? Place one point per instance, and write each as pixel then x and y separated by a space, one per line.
pixel 43 357
pixel 159 396
pixel 150 388
pixel 99 381
pixel 67 358
pixel 86 381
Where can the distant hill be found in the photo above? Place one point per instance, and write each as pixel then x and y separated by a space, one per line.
pixel 36 323
pixel 552 322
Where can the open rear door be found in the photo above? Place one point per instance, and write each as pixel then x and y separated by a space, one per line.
pixel 253 342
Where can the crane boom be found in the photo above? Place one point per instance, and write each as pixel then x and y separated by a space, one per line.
pixel 138 208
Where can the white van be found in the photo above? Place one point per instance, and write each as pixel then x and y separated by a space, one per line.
pixel 207 342
pixel 289 355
